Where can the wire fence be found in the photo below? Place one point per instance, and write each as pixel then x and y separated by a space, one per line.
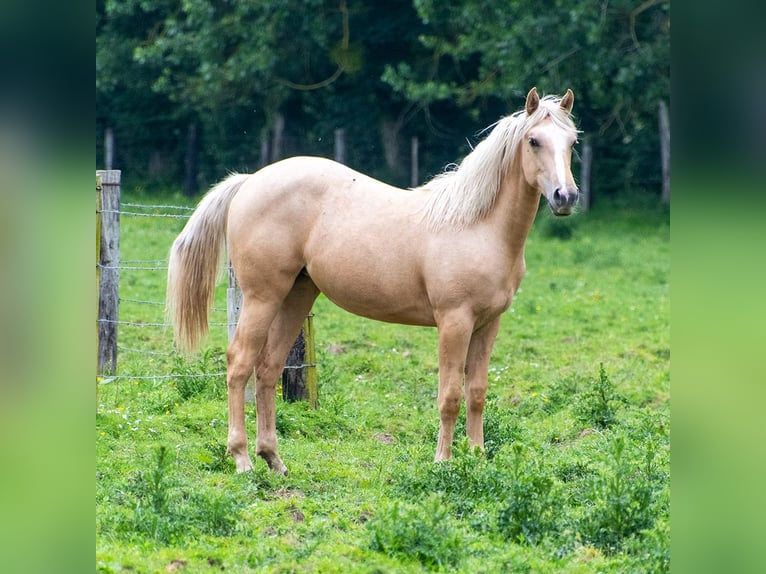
pixel 158 353
pixel 145 349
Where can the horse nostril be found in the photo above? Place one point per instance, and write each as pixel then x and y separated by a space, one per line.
pixel 557 195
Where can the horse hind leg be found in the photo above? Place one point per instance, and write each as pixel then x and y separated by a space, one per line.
pixel 241 355
pixel 270 363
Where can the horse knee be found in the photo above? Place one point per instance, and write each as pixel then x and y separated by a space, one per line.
pixel 449 401
pixel 476 399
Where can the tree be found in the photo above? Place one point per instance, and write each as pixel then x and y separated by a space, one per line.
pixel 233 83
pixel 615 58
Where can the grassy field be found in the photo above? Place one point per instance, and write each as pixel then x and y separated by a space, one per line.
pixel 575 477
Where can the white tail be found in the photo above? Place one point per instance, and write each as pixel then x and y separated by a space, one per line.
pixel 193 264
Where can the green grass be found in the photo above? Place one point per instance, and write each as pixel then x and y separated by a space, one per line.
pixel 575 477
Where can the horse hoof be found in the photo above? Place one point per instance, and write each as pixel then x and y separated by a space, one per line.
pixel 275 463
pixel 244 465
pixel 278 467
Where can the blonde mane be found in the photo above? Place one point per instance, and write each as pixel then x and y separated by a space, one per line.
pixel 465 195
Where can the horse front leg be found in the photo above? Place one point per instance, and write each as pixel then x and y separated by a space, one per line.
pixel 477 367
pixel 454 337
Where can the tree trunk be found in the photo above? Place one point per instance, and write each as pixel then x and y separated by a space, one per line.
pixel 277 142
pixel 414 161
pixel 389 131
pixel 293 377
pixel 299 380
pixel 191 186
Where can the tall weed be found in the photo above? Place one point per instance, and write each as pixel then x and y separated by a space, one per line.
pixel 164 509
pixel 530 506
pixel 424 531
pixel 621 497
pixel 194 378
pixel 597 405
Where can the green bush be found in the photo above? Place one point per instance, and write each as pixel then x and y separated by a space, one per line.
pixel 597 404
pixel 531 505
pixel 621 498
pixel 425 532
pixel 163 509
pixel 191 380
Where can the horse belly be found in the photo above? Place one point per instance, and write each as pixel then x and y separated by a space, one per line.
pixel 390 293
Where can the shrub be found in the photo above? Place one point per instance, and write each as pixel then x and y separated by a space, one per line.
pixel 163 510
pixel 528 513
pixel 622 498
pixel 191 380
pixel 596 405
pixel 425 532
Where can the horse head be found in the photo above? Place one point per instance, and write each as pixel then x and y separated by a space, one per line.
pixel 546 150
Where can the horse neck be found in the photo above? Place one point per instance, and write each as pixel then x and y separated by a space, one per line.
pixel 515 209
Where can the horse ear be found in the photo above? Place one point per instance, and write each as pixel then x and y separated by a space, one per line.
pixel 567 101
pixel 533 100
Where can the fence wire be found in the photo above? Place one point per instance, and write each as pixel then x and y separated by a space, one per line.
pixel 156 265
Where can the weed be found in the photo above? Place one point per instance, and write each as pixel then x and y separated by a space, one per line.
pixel 467 481
pixel 165 510
pixel 425 531
pixel 501 427
pixel 530 503
pixel 216 457
pixel 191 380
pixel 596 406
pixel 298 419
pixel 150 507
pixel 622 498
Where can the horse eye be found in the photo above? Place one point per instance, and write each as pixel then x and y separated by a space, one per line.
pixel 533 142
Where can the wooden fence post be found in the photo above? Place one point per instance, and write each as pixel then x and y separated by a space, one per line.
pixel 108 148
pixel 98 260
pixel 585 165
pixel 310 361
pixel 107 269
pixel 233 307
pixel 340 145
pixel 414 162
pixel 664 126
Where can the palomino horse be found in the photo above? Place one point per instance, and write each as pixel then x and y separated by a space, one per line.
pixel 449 254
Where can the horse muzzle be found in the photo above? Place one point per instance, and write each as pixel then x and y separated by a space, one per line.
pixel 562 200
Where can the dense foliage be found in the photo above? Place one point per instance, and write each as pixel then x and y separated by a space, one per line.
pixel 193 88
